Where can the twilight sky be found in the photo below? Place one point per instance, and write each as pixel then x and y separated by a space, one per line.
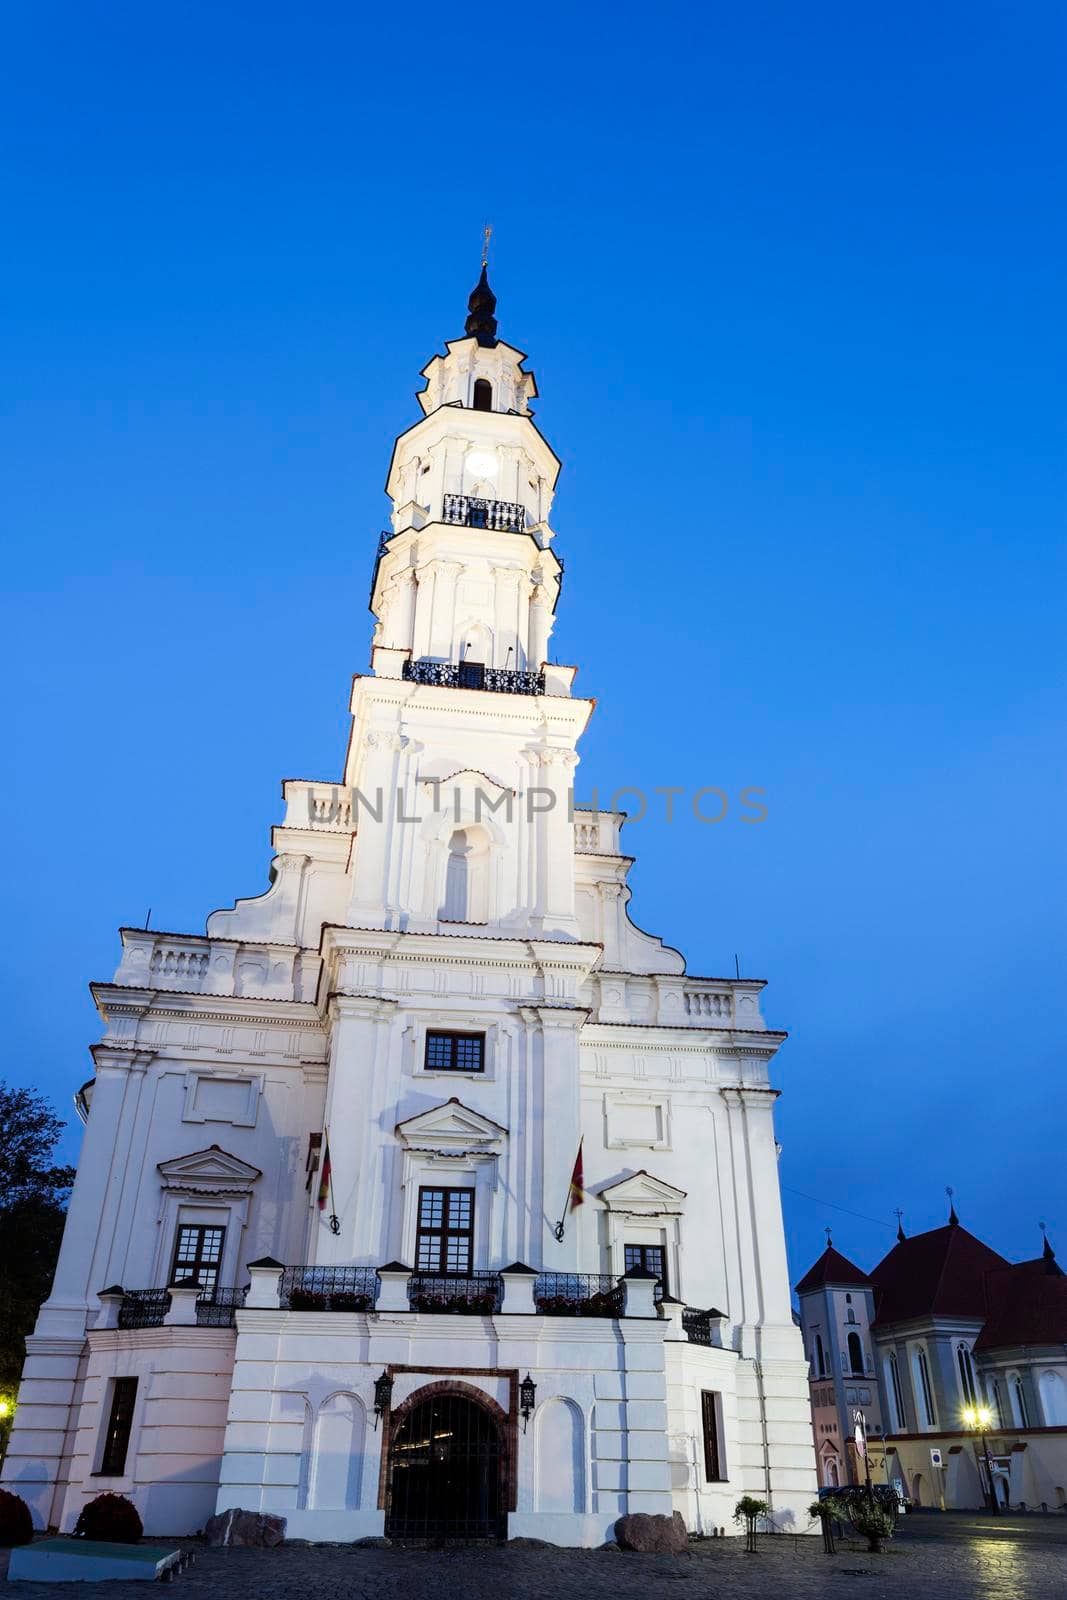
pixel 791 283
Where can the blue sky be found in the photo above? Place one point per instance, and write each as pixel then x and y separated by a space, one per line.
pixel 791 282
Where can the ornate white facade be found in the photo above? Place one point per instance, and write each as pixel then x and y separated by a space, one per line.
pixel 443 887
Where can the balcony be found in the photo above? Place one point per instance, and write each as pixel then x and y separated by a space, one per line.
pixel 147 1308
pixel 578 1294
pixel 499 516
pixel 473 675
pixel 328 1289
pixel 476 1294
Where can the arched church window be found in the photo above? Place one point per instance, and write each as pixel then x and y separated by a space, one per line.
pixel 855 1354
pixel 967 1385
pixel 467 877
pixel 820 1356
pixel 925 1389
pixel 1018 1400
pixel 483 394
pixel 895 1393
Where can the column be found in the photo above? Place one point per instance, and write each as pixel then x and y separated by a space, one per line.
pixel 359 1039
pixel 540 627
pixel 443 609
pixel 557 1126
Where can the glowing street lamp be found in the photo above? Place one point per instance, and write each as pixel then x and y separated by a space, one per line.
pixel 979 1419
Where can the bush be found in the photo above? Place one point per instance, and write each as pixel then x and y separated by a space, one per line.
pixel 872 1516
pixel 16 1524
pixel 110 1517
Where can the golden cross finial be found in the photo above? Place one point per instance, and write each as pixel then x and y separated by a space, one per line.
pixel 488 234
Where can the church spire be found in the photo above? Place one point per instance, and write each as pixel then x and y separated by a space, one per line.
pixel 481 322
pixel 953 1220
pixel 901 1235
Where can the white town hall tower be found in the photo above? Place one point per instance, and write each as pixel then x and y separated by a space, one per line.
pixel 311 1264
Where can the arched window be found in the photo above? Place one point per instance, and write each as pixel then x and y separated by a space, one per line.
pixel 483 394
pixel 967 1385
pixel 896 1398
pixel 925 1391
pixel 1053 1399
pixel 996 1402
pixel 855 1354
pixel 1018 1402
pixel 820 1356
pixel 850 1315
pixel 467 877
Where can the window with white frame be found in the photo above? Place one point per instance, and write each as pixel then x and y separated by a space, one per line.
pixel 896 1395
pixel 926 1393
pixel 968 1387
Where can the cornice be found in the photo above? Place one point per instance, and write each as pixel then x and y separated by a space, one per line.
pixel 177 1335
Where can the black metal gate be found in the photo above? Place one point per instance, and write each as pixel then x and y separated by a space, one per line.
pixel 445 1472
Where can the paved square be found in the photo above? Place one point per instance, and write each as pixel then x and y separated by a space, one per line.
pixel 944 1558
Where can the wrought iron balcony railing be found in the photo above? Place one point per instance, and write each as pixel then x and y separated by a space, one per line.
pixel 147 1308
pixel 328 1289
pixel 501 516
pixel 578 1294
pixel 697 1325
pixel 473 1294
pixel 473 675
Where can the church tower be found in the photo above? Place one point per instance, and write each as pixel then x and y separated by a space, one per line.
pixel 425 1192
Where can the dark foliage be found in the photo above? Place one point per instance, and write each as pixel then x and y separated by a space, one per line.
pixel 110 1517
pixel 33 1196
pixel 16 1523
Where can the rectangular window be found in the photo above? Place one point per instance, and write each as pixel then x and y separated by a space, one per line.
pixel 648 1258
pixel 455 1052
pixel 197 1255
pixel 709 1416
pixel 120 1421
pixel 444 1241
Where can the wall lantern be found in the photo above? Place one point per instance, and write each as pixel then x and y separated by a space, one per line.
pixel 527 1396
pixel 383 1394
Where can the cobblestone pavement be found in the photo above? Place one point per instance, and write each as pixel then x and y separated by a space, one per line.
pixel 947 1561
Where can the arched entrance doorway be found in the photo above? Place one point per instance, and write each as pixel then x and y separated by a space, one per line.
pixel 446 1470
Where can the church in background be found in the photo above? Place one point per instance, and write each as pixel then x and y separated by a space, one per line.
pixel 425 1194
pixel 940 1332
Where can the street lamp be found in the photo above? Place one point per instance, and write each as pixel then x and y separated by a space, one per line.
pixel 979 1419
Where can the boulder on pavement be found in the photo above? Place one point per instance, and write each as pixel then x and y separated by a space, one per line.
pixel 253 1530
pixel 652 1535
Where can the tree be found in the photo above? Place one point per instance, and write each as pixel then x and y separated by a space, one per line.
pixel 33 1199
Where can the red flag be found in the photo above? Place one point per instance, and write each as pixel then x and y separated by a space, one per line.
pixel 324 1174
pixel 577 1189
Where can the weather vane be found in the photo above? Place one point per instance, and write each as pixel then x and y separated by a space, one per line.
pixel 487 235
pixel 829 1240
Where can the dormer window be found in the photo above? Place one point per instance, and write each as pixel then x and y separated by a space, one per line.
pixel 483 395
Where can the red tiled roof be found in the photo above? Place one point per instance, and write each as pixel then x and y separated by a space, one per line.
pixel 831 1267
pixel 1027 1305
pixel 941 1273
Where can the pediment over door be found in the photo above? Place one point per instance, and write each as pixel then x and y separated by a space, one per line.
pixel 452 1126
pixel 211 1171
pixel 643 1195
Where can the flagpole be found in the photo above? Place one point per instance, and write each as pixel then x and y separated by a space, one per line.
pixel 568 1204
pixel 335 1221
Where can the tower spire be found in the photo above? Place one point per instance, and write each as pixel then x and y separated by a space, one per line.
pixel 901 1235
pixel 953 1220
pixel 481 307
